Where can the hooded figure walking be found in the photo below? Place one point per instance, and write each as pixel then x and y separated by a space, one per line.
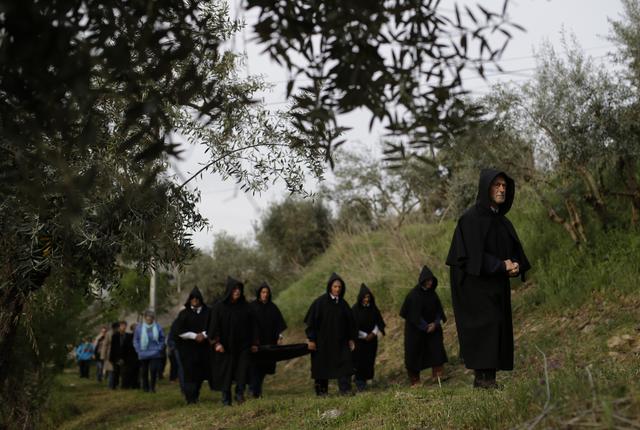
pixel 270 324
pixel 485 252
pixel 423 338
pixel 370 325
pixel 331 335
pixel 233 333
pixel 192 344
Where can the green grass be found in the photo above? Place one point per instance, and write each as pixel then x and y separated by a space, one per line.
pixel 566 317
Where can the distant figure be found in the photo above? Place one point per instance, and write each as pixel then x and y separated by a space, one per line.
pixel 131 368
pixel 234 335
pixel 148 342
pixel 370 325
pixel 331 334
pixel 117 354
pixel 423 340
pixel 84 355
pixel 105 351
pixel 485 252
pixel 192 343
pixel 98 353
pixel 176 372
pixel 270 327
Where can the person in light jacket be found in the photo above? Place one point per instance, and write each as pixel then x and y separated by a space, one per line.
pixel 148 341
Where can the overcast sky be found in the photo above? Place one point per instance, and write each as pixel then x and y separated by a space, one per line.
pixel 228 209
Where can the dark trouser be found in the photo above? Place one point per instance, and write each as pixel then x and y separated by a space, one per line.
pixel 361 384
pixel 256 379
pixel 153 366
pixel 84 366
pixel 485 378
pixel 322 386
pixel 191 391
pixel 176 366
pixel 226 395
pixel 99 370
pixel 114 377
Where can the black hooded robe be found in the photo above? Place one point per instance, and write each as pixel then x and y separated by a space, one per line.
pixel 195 357
pixel 421 307
pixel 233 326
pixel 270 324
pixel 331 326
pixel 366 318
pixel 480 287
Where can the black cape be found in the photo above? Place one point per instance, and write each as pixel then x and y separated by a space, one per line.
pixel 331 325
pixel 270 324
pixel 366 318
pixel 422 307
pixel 232 325
pixel 195 357
pixel 480 287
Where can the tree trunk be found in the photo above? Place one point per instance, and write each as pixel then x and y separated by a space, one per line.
pixel 594 197
pixel 627 169
pixel 11 305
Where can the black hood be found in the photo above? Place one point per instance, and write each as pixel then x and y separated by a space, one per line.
pixel 263 285
pixel 425 275
pixel 364 290
pixel 334 276
pixel 231 284
pixel 484 188
pixel 194 293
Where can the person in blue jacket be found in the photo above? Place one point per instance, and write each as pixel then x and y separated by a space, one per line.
pixel 148 341
pixel 84 355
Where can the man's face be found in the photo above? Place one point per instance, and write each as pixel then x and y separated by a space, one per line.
pixel 103 331
pixel 336 288
pixel 498 191
pixel 122 328
pixel 264 295
pixel 428 283
pixel 235 294
pixel 195 302
pixel 148 319
pixel 366 299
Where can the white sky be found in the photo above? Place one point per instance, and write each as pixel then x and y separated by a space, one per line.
pixel 227 208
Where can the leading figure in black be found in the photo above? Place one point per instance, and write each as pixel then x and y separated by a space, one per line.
pixel 331 334
pixel 192 343
pixel 233 333
pixel 270 327
pixel 370 325
pixel 485 252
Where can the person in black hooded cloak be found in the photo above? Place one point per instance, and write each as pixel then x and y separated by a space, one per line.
pixel 233 333
pixel 423 338
pixel 485 252
pixel 270 324
pixel 331 334
pixel 370 325
pixel 192 343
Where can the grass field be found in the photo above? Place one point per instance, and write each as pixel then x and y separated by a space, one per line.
pixel 577 363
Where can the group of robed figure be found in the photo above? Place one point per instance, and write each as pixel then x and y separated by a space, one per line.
pixel 240 341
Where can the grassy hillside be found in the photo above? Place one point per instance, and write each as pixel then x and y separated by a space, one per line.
pixel 576 323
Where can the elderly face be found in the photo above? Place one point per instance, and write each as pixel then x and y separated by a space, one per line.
pixel 336 288
pixel 264 295
pixel 498 190
pixel 148 319
pixel 235 294
pixel 195 302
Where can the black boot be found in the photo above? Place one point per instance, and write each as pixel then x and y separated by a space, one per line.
pixel 226 398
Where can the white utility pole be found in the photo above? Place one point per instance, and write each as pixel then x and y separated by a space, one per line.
pixel 152 288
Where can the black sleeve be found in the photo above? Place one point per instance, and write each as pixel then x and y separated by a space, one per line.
pixel 492 264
